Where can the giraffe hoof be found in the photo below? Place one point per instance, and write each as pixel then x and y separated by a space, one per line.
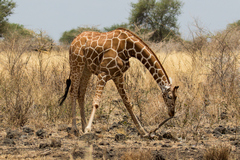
pixel 145 135
pixel 150 136
pixel 87 130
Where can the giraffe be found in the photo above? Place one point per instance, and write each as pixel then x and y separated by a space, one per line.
pixel 107 56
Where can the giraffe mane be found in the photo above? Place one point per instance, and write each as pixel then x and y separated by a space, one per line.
pixel 148 49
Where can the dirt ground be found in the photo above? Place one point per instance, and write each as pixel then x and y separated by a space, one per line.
pixel 118 140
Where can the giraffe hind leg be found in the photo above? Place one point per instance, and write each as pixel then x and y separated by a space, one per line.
pixel 75 81
pixel 81 95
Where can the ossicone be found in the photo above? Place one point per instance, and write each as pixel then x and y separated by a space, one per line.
pixel 175 90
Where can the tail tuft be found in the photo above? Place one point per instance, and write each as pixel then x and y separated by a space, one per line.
pixel 62 99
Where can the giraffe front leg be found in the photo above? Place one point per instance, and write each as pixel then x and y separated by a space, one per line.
pixel 101 82
pixel 120 87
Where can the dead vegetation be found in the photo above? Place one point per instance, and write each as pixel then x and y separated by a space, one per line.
pixel 217 153
pixel 206 69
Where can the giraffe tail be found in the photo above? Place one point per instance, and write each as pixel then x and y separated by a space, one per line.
pixel 62 99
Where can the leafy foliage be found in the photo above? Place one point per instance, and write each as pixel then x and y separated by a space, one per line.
pixel 11 28
pixel 6 8
pixel 235 24
pixel 159 17
pixel 68 36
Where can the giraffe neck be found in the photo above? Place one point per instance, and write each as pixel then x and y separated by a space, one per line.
pixel 148 58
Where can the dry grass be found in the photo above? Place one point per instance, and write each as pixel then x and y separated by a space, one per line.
pixel 217 153
pixel 30 83
pixel 138 155
pixel 206 72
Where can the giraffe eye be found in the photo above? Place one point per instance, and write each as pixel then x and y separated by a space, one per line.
pixel 169 97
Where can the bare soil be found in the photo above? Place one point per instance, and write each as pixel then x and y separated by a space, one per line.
pixel 118 140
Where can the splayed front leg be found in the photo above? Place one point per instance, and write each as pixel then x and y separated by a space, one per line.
pixel 120 86
pixel 101 82
pixel 89 126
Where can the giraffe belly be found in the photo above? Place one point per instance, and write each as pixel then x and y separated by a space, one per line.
pixel 115 70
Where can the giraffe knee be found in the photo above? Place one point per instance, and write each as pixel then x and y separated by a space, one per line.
pixel 128 105
pixel 96 106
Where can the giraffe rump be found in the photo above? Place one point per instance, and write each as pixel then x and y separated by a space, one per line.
pixel 62 99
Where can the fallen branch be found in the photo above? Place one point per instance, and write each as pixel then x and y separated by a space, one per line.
pixel 154 131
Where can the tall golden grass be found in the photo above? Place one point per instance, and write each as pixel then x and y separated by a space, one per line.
pixel 207 71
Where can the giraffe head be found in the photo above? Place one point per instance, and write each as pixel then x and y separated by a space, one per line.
pixel 169 96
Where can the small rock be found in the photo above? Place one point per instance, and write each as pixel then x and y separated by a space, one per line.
pixel 27 143
pixel 233 129
pixel 104 143
pixel 218 131
pixel 55 143
pixel 41 133
pixel 43 145
pixel 68 129
pixel 114 125
pixel 193 148
pixel 103 117
pixel 167 135
pixel 158 155
pixel 13 134
pixel 125 117
pixel 139 143
pixel 24 136
pixel 66 149
pixel 232 138
pixel 110 154
pixel 223 115
pixel 1 117
pixel 160 137
pixel 8 141
pixel 98 131
pixel 208 131
pixel 132 130
pixel 119 137
pixel 88 136
pixel 27 129
pixel 63 127
pixel 73 131
pixel 31 133
pixel 78 153
pixel 157 144
pixel 166 145
pixel 45 153
pixel 235 143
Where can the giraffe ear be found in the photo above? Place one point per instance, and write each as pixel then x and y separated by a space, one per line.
pixel 170 80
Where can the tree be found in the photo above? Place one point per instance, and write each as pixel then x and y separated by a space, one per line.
pixel 235 24
pixel 17 28
pixel 115 26
pixel 68 36
pixel 6 8
pixel 159 17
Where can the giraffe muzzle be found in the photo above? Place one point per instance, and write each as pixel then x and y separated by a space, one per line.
pixel 171 112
